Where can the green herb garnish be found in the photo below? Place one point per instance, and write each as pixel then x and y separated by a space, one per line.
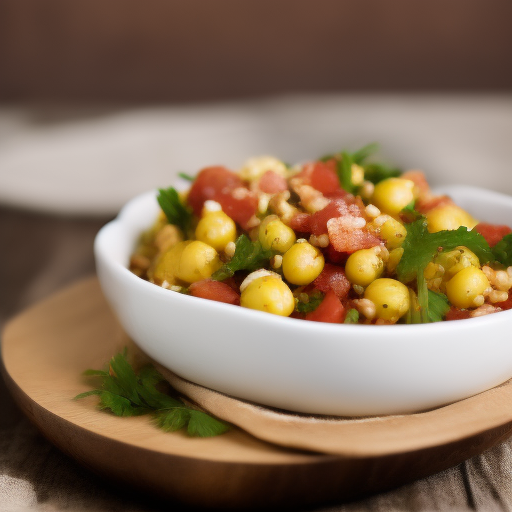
pixel 126 393
pixel 186 176
pixel 373 172
pixel 314 301
pixel 378 172
pixel 352 316
pixel 420 246
pixel 344 171
pixel 438 306
pixel 503 250
pixel 175 211
pixel 248 256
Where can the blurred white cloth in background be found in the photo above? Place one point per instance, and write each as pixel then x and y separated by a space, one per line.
pixel 91 161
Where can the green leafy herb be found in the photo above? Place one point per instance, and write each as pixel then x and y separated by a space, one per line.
pixel 248 256
pixel 361 155
pixel 352 316
pixel 373 172
pixel 409 213
pixel 186 176
pixel 503 250
pixel 126 393
pixel 378 172
pixel 175 211
pixel 438 306
pixel 420 247
pixel 344 171
pixel 413 315
pixel 314 301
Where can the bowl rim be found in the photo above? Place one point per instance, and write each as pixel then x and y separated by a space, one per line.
pixel 122 219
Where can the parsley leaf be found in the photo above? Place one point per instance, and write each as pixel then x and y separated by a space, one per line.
pixel 248 256
pixel 420 246
pixel 378 172
pixel 503 250
pixel 185 176
pixel 362 154
pixel 175 211
pixel 438 306
pixel 314 301
pixel 344 171
pixel 352 316
pixel 126 393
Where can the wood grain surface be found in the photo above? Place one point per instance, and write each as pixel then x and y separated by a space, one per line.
pixel 46 348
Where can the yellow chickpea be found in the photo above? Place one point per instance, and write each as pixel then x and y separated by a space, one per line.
pixel 394 233
pixel 463 288
pixel 166 265
pixel 270 294
pixel 392 195
pixel 274 234
pixel 391 298
pixel 363 267
pixel 197 261
pixel 454 261
pixel 216 229
pixel 449 216
pixel 302 263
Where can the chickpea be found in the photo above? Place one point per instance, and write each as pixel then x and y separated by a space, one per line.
pixel 449 216
pixel 270 294
pixel 197 261
pixel 465 286
pixel 363 267
pixel 454 261
pixel 393 232
pixel 166 265
pixel 391 298
pixel 216 229
pixel 392 195
pixel 274 234
pixel 302 263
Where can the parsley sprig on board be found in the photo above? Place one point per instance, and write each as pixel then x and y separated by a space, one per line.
pixel 248 256
pixel 175 211
pixel 126 393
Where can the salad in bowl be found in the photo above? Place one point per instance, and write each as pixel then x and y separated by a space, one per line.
pixel 319 279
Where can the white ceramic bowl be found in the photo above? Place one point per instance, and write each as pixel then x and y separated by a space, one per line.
pixel 310 367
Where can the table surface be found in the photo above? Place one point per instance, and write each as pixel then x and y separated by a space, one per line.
pixel 45 253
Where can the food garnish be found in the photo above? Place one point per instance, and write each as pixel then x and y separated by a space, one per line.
pixel 124 392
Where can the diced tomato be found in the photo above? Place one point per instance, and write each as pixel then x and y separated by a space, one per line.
pixel 333 278
pixel 347 238
pixel 209 182
pixel 336 208
pixel 493 233
pixel 272 183
pixel 215 290
pixel 301 223
pixel 334 256
pixel 457 314
pixel 330 310
pixel 239 207
pixel 323 177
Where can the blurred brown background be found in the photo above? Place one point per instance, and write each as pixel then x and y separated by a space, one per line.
pixel 160 51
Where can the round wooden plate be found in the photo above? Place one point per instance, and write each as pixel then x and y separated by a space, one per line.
pixel 46 348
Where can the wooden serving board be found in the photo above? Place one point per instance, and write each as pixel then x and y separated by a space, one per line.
pixel 46 348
